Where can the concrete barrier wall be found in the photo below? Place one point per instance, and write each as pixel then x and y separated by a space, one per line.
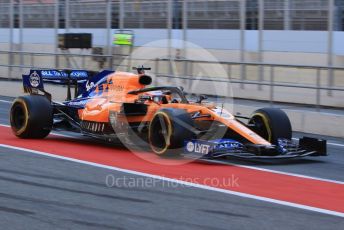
pixel 280 46
pixel 306 121
pixel 273 40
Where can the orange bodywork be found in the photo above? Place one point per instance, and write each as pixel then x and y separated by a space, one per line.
pixel 118 85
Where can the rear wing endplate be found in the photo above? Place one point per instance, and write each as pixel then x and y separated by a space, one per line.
pixel 33 82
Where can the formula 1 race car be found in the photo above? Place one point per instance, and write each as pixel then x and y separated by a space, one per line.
pixel 112 105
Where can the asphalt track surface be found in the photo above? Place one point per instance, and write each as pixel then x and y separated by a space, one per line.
pixel 44 192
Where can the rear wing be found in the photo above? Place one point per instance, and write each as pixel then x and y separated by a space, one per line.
pixel 33 82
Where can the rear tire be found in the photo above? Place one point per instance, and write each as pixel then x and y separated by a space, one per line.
pixel 31 117
pixel 168 131
pixel 271 124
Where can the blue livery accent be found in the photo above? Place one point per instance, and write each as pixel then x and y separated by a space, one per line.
pixel 54 75
pixel 33 80
pixel 207 148
pixel 86 88
pixel 78 103
pixel 86 83
pixel 63 75
pixel 36 77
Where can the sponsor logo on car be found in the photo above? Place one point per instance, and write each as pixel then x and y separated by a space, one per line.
pixel 222 112
pixel 53 73
pixel 190 146
pixel 77 103
pixel 34 79
pixel 79 74
pixel 196 147
pixel 62 74
pixel 228 145
pixel 206 147
pixel 89 85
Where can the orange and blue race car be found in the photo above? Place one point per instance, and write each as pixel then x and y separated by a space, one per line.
pixel 111 105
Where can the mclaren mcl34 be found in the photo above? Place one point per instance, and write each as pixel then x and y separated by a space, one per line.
pixel 113 104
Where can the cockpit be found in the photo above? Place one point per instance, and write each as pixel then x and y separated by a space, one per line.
pixel 160 95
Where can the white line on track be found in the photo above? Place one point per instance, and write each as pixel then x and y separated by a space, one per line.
pixel 336 144
pixel 54 133
pixel 4 101
pixel 205 187
pixel 279 172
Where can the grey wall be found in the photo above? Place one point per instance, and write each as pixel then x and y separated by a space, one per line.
pixel 275 41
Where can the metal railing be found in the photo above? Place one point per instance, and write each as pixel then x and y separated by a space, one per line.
pixel 271 82
pixel 259 15
pixel 297 14
pixel 161 68
pixel 61 60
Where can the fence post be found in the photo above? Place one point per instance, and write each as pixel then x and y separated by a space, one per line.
pixel 108 30
pixel 56 31
pixel 260 37
pixel 229 70
pixel 272 83
pixel 185 28
pixel 242 41
pixel 10 56
pixel 121 14
pixel 318 90
pixel 191 69
pixel 169 34
pixel 21 25
pixel 286 18
pixel 67 15
pixel 156 71
pixel 32 61
pixel 330 45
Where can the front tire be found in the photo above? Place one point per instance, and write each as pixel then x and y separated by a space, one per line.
pixel 31 117
pixel 168 131
pixel 271 124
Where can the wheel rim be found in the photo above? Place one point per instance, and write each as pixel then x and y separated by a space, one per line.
pixel 18 117
pixel 160 132
pixel 260 127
